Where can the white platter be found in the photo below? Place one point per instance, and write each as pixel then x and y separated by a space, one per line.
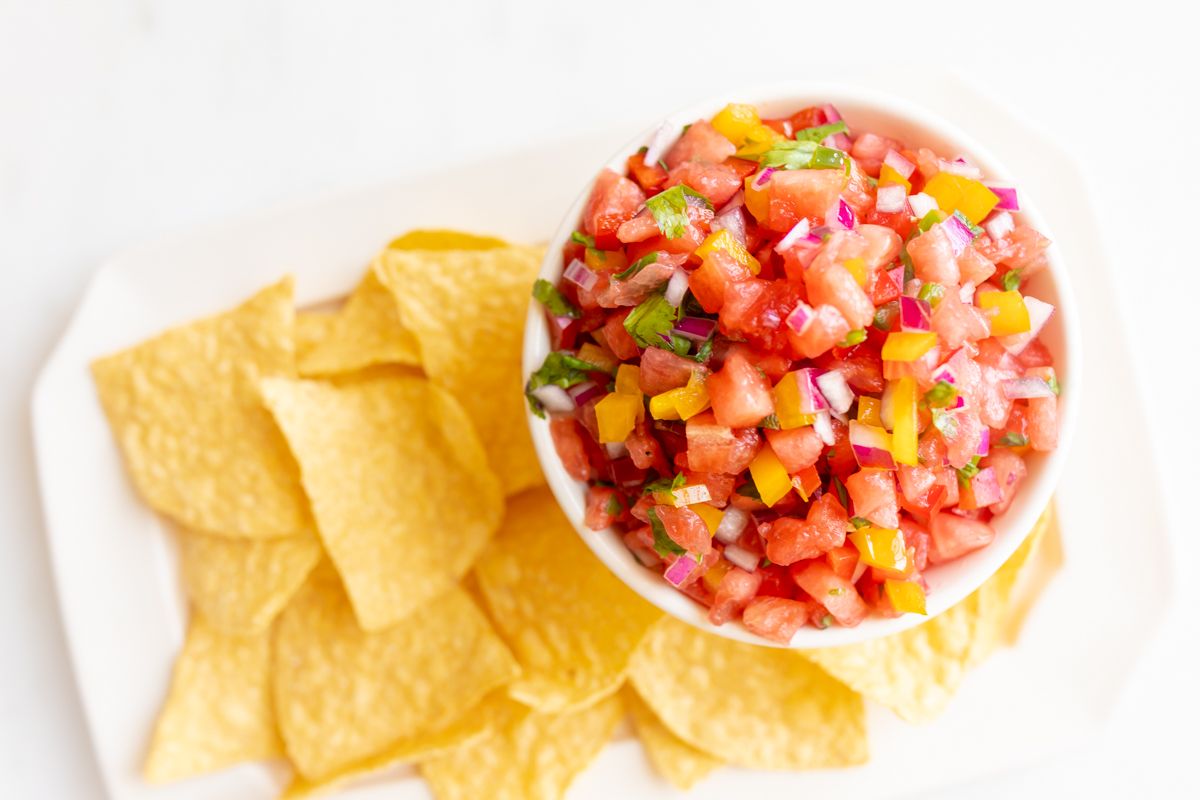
pixel 115 571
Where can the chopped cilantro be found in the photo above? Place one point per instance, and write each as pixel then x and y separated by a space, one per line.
pixel 770 422
pixel 929 220
pixel 884 316
pixel 663 166
pixel 586 241
pixel 704 353
pixel 857 336
pixel 549 296
pixel 859 522
pixel 941 395
pixel 680 345
pixel 637 266
pixel 1011 280
pixel 613 507
pixel 766 562
pixel 971 226
pixel 665 484
pixel 840 490
pixel 906 260
pixel 802 155
pixel 748 489
pixel 968 471
pixel 931 293
pixel 836 591
pixel 820 132
pixel 651 320
pixel 1011 439
pixel 669 209
pixel 945 422
pixel 825 621
pixel 1052 382
pixel 663 544
pixel 560 369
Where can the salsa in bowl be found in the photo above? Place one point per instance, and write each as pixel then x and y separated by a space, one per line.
pixel 800 367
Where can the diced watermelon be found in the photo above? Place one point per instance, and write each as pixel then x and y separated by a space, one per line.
pixel 1041 417
pixel 1010 471
pixel 661 370
pixel 797 448
pixel 686 528
pixel 740 394
pixel 794 194
pixel 717 182
pixel 604 506
pixel 718 448
pixel 789 540
pixel 736 590
pixel 873 494
pixel 613 200
pixel 700 142
pixel 775 618
pixel 933 258
pixel 568 443
pixel 870 149
pixel 957 323
pixel 837 594
pixel 617 339
pixel 953 536
pixel 827 328
pixel 645 450
pixel 832 284
pixel 650 179
pixel 709 281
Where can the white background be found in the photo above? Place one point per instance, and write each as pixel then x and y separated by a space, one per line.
pixel 126 119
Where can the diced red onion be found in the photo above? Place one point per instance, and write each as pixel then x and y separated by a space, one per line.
pixel 873 457
pixel 831 113
pixel 616 450
pixel 897 276
pixel 999 224
pixel 562 323
pixel 870 446
pixel 811 398
pixel 899 163
pixel 1026 388
pixel 959 167
pixel 1039 314
pixel 985 442
pixel 986 487
pixel 763 177
pixel 890 199
pixel 921 204
pixel 801 317
pixel 582 393
pixel 554 398
pixel 578 273
pixel 676 287
pixel 841 216
pixel 798 232
pixel 824 428
pixel 958 233
pixel 1008 197
pixel 915 314
pixel 737 201
pixel 696 329
pixel 681 569
pixel 741 557
pixel 733 522
pixel 836 391
pixel 664 137
pixel 733 221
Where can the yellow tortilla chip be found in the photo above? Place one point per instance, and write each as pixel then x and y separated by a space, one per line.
pixel 218 712
pixel 312 329
pixel 571 622
pixel 343 695
pixel 400 488
pixel 186 412
pixel 534 756
pixel 442 239
pixel 681 764
pixel 240 585
pixel 1044 563
pixel 467 309
pixel 480 721
pixel 365 332
pixel 757 707
pixel 916 672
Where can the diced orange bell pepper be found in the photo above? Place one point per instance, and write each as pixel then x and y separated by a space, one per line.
pixel 723 240
pixel 603 359
pixel 904 421
pixel 616 415
pixel 907 345
pixel 735 121
pixel 1011 314
pixel 769 475
pixel 868 411
pixel 905 596
pixel 882 548
pixel 887 175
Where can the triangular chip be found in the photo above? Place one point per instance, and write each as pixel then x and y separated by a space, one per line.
pixel 185 410
pixel 218 712
pixel 400 488
pixel 366 331
pixel 681 764
pixel 312 329
pixel 467 309
pixel 571 622
pixel 240 585
pixel 1044 563
pixel 757 707
pixel 916 672
pixel 343 695
pixel 443 239
pixel 534 756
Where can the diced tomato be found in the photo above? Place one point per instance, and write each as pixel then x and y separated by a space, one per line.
pixel 881 288
pixel 736 590
pixel 953 536
pixel 617 339
pixel 1010 471
pixel 789 540
pixel 797 448
pixel 1035 354
pixel 756 310
pixel 661 370
pixel 1041 416
pixel 840 455
pixel 613 200
pixel 709 281
pixel 809 117
pixel 974 266
pixel 740 394
pixel 686 528
pixel 933 258
pixel 775 618
pixel 794 194
pixel 873 494
pixel 837 594
pixel 827 328
pixel 717 182
pixel 957 323
pixel 650 179
pixel 603 507
pixel 700 142
pixel 568 443
pixel 718 448
pixel 776 582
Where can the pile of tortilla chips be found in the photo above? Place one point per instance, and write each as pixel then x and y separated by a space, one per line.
pixel 378 577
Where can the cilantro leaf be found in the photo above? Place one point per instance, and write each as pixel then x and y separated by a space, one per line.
pixel 665 484
pixel 819 133
pixel 748 489
pixel 859 522
pixel 857 336
pixel 1011 280
pixel 941 395
pixel 770 422
pixel 945 422
pixel 669 209
pixel 802 155
pixel 560 369
pixel 614 507
pixel 840 490
pixel 931 293
pixel 704 353
pixel 549 296
pixel 637 266
pixel 968 471
pixel 1011 439
pixel 663 545
pixel 1052 382
pixel 651 320
pixel 583 239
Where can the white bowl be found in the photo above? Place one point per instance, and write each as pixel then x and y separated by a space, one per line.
pixel 948 583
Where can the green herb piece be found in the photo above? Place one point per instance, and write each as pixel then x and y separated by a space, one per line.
pixel 560 368
pixel 802 155
pixel 1052 382
pixel 669 209
pixel 549 296
pixel 704 353
pixel 637 266
pixel 680 345
pixel 1011 439
pixel 932 293
pixel 942 395
pixel 614 507
pixel 770 422
pixel 663 545
pixel 664 484
pixel 929 220
pixel 906 260
pixel 859 522
pixel 651 321
pixel 840 490
pixel 748 489
pixel 857 336
pixel 586 241
pixel 1011 280
pixel 819 133
pixel 945 422
pixel 766 562
pixel 825 621
pixel 968 471
pixel 884 316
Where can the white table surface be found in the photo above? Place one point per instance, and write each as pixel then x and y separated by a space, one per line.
pixel 126 119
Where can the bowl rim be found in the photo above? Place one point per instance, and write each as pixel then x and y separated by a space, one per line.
pixel 1014 525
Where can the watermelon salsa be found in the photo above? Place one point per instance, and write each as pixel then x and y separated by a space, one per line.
pixel 795 364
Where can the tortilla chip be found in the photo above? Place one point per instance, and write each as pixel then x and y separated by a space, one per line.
pixel 681 764
pixel 312 329
pixel 218 712
pixel 442 239
pixel 400 488
pixel 1044 563
pixel 482 720
pixel 240 585
pixel 468 310
pixel 534 756
pixel 186 412
pixel 572 624
pixel 757 707
pixel 343 695
pixel 916 672
pixel 365 332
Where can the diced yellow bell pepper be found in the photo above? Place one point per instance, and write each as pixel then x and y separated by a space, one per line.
pixel 905 596
pixel 594 354
pixel 759 139
pixel 882 548
pixel 710 514
pixel 723 240
pixel 868 411
pixel 682 403
pixel 787 404
pixel 758 202
pixel 616 414
pixel 770 477
pixel 1011 315
pixel 662 406
pixel 735 121
pixel 904 421
pixel 682 496
pixel 907 345
pixel 888 175
pixel 628 378
pixel 956 193
pixel 858 268
pixel 715 574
